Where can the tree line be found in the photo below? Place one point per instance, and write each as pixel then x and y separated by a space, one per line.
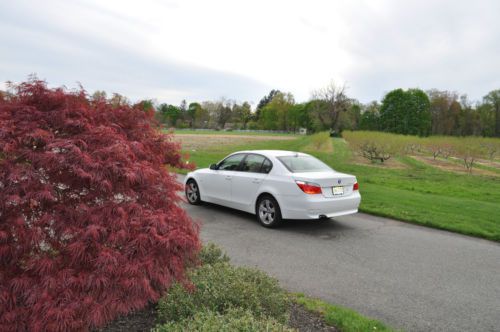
pixel 409 112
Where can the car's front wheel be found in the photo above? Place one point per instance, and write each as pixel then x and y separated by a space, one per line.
pixel 193 192
pixel 268 211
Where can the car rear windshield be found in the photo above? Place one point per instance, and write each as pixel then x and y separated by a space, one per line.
pixel 298 164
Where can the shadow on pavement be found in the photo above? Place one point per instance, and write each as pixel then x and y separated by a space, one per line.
pixel 324 228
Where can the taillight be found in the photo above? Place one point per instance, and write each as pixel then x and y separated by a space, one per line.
pixel 356 186
pixel 308 187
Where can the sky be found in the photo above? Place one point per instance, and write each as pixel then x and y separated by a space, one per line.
pixel 206 50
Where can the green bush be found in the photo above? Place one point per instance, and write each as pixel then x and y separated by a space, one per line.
pixel 211 254
pixel 232 320
pixel 220 287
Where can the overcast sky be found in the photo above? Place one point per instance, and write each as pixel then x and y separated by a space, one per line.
pixel 204 50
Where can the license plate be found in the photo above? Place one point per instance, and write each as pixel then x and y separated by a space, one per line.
pixel 338 190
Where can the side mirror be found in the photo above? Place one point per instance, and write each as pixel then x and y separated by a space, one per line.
pixel 214 167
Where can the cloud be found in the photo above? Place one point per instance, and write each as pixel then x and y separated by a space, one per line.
pixel 447 45
pixel 64 56
pixel 201 50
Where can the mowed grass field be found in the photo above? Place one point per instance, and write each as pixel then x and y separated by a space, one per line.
pixel 407 188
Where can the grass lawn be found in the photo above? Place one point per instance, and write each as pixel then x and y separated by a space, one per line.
pixel 347 320
pixel 417 192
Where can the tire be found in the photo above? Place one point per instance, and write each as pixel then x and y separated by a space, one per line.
pixel 192 191
pixel 268 211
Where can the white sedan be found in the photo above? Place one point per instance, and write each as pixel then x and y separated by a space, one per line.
pixel 275 185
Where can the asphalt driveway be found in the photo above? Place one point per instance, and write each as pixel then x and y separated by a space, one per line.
pixel 410 277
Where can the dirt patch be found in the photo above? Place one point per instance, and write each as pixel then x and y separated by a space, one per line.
pixel 452 166
pixel 306 321
pixel 191 142
pixel 137 321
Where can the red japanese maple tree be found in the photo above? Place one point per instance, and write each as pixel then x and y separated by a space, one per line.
pixel 90 225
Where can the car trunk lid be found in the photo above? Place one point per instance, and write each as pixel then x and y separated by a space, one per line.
pixel 329 182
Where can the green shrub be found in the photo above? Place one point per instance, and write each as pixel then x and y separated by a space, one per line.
pixel 211 254
pixel 232 320
pixel 220 287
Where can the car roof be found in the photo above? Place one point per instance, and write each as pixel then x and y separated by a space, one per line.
pixel 273 153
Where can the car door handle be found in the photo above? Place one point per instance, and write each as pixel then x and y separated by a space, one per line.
pixel 256 181
pixel 228 177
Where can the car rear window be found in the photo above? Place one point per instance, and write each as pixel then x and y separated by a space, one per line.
pixel 299 164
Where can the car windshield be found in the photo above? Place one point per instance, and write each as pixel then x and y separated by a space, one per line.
pixel 298 164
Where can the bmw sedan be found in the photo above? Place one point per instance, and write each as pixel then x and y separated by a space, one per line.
pixel 275 185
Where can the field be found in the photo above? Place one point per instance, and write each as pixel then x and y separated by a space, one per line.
pixel 203 142
pixel 407 186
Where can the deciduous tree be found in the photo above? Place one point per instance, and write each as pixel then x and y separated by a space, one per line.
pixel 406 112
pixel 90 222
pixel 332 100
pixel 264 101
pixel 493 99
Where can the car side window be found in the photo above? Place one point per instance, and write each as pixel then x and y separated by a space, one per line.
pixel 266 166
pixel 231 163
pixel 252 163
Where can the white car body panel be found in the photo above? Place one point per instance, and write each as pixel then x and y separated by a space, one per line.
pixel 240 190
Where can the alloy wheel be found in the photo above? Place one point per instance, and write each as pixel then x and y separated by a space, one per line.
pixel 267 211
pixel 192 192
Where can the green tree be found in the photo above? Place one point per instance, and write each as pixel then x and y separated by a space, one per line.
pixel 370 117
pixel 299 117
pixel 275 115
pixel 486 119
pixel 493 99
pixel 264 101
pixel 406 112
pixel 170 114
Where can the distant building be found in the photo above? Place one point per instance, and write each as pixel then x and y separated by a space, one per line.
pixel 303 131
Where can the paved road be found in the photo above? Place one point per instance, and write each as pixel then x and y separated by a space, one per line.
pixel 410 277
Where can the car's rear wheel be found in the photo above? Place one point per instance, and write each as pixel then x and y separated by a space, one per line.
pixel 268 211
pixel 193 192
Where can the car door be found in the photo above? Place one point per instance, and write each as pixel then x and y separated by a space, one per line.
pixel 217 183
pixel 245 184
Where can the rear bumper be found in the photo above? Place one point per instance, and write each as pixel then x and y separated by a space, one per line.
pixel 316 206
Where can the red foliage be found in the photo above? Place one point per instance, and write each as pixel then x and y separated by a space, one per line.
pixel 90 225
